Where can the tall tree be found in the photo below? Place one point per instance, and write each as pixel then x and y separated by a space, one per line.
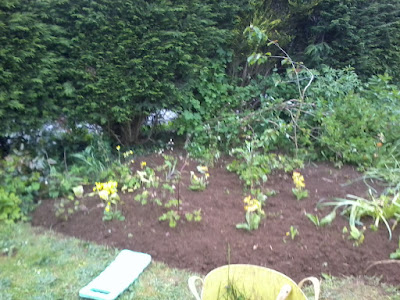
pixel 29 67
pixel 106 62
pixel 360 33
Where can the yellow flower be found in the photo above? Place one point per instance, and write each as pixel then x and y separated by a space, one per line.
pixel 202 169
pixel 252 205
pixel 105 189
pixel 247 199
pixel 118 147
pixel 193 176
pixel 298 180
pixel 103 194
pixel 143 164
pixel 207 175
pixel 132 161
pixel 99 186
pixel 107 209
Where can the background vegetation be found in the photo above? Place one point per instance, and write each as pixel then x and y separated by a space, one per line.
pixel 310 79
pixel 315 80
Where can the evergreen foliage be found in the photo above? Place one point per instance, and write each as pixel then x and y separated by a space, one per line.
pixel 110 63
pixel 360 33
pixel 29 67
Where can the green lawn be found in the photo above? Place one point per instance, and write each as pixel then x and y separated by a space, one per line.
pixel 44 265
pixel 38 264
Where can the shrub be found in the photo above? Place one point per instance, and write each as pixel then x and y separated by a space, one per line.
pixel 20 187
pixel 350 121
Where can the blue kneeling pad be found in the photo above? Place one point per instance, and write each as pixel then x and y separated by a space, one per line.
pixel 117 277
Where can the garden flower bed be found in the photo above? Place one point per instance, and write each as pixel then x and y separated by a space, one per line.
pixel 215 240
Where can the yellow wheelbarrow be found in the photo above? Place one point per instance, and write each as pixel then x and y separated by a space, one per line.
pixel 250 282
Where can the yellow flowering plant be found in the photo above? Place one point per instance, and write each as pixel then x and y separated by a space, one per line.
pixel 108 192
pixel 292 233
pixel 198 183
pixel 254 214
pixel 126 155
pixel 147 176
pixel 299 190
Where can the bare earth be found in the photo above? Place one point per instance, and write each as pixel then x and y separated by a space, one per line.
pixel 202 246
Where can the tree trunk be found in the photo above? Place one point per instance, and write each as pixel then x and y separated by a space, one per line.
pixel 128 133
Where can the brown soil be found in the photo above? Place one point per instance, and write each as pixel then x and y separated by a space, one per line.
pixel 203 246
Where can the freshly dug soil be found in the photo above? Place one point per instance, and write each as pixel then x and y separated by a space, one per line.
pixel 202 246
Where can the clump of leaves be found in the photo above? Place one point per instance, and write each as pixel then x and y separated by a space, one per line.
pixel 198 183
pixel 396 254
pixel 172 217
pixel 292 233
pixel 142 197
pixel 147 176
pixel 327 220
pixel 355 234
pixel 380 208
pixel 9 207
pixel 169 167
pixel 194 216
pixel 20 185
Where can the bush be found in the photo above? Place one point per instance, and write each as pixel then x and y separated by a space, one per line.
pixel 355 124
pixel 20 187
pixel 10 210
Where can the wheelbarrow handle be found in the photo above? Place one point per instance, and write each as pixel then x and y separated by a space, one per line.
pixel 192 286
pixel 316 285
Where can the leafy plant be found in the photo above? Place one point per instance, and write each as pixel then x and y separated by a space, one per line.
pixel 198 183
pixel 299 191
pixel 65 207
pixel 61 184
pixel 327 220
pixel 142 197
pixel 108 192
pixel 194 216
pixel 172 217
pixel 147 176
pixel 292 233
pixel 169 167
pixel 380 208
pixel 396 254
pixel 21 185
pixel 93 166
pixel 169 188
pixel 254 213
pixel 355 234
pixel 110 214
pixel 172 203
pixel 10 210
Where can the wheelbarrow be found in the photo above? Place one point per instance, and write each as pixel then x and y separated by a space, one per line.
pixel 250 282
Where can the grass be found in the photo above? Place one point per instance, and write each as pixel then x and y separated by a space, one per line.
pixel 353 288
pixel 37 264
